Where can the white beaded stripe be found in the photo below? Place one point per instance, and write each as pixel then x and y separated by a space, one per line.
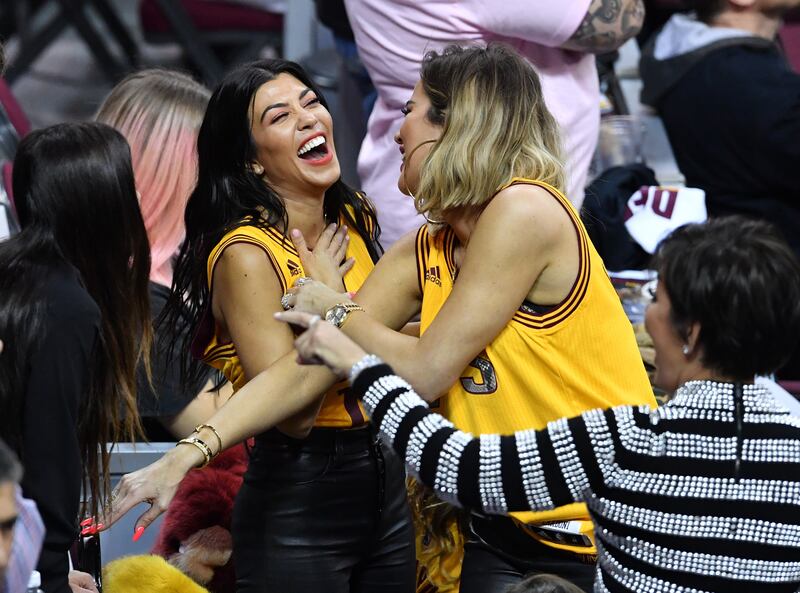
pixel 419 437
pixel 702 526
pixel 398 410
pixel 567 457
pixel 771 450
pixel 446 480
pixel 704 564
pixel 711 489
pixel 679 444
pixel 602 442
pixel 378 390
pixel 636 581
pixel 533 481
pixel 490 478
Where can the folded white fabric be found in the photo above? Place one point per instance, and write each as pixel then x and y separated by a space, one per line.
pixel 653 212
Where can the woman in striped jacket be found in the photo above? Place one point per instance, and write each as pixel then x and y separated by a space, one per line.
pixel 702 494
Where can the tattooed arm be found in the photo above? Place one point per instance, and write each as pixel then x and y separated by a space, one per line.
pixel 607 25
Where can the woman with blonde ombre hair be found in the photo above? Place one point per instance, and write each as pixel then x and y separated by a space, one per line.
pixel 159 113
pixel 519 322
pixel 515 304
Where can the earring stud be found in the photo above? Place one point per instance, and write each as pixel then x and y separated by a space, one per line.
pixel 686 350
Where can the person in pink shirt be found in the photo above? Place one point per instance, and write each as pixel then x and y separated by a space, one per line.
pixel 558 38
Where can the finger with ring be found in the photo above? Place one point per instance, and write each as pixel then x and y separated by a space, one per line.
pixel 285 302
pixel 302 280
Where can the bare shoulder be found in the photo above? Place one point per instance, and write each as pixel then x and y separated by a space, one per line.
pixel 243 261
pixel 404 247
pixel 526 212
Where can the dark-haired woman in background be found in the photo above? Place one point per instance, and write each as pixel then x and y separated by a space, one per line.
pixel 702 494
pixel 322 506
pixel 75 321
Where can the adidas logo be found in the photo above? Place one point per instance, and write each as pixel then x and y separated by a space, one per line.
pixel 432 275
pixel 294 269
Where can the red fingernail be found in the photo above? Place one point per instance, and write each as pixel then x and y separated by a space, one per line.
pixel 138 533
pixel 88 521
pixel 100 526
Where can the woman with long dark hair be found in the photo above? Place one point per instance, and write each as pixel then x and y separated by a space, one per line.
pixel 322 505
pixel 75 321
pixel 518 317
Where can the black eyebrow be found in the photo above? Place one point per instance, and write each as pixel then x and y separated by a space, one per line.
pixel 273 106
pixel 303 93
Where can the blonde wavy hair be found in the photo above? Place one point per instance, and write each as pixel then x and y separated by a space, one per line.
pixel 495 123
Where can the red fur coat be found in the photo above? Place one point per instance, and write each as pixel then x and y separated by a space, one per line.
pixel 195 533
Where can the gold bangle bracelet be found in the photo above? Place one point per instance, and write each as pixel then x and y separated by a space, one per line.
pixel 199 427
pixel 202 446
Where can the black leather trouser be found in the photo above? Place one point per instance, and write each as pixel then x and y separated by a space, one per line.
pixel 326 514
pixel 497 554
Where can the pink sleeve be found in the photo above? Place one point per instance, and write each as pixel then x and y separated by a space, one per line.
pixel 545 22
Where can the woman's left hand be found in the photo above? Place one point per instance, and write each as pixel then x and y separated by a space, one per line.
pixel 310 296
pixel 323 343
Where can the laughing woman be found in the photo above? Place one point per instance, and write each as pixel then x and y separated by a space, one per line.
pixel 520 323
pixel 322 505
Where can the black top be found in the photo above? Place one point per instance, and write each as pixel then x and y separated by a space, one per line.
pixel 732 114
pixel 701 494
pixel 58 381
pixel 169 397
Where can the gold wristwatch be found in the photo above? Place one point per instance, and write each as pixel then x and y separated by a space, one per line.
pixel 338 314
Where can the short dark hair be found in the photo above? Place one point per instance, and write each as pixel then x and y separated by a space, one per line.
pixel 543 583
pixel 10 468
pixel 740 281
pixel 707 9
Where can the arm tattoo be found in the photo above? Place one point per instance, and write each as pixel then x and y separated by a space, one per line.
pixel 607 25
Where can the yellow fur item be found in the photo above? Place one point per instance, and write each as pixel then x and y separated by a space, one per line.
pixel 137 574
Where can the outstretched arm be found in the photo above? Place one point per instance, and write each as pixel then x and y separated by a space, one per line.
pixel 515 239
pixel 271 397
pixel 493 473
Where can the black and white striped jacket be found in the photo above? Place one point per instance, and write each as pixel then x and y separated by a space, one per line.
pixel 700 495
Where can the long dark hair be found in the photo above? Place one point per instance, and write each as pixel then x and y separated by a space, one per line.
pixel 76 201
pixel 229 195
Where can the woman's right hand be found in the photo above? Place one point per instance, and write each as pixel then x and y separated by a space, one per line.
pixel 326 263
pixel 155 484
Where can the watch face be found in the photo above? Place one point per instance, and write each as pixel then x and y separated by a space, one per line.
pixel 336 315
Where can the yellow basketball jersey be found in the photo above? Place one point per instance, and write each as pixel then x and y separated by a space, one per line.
pixel 544 365
pixel 339 409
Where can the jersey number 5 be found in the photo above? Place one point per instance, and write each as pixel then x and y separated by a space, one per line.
pixel 488 382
